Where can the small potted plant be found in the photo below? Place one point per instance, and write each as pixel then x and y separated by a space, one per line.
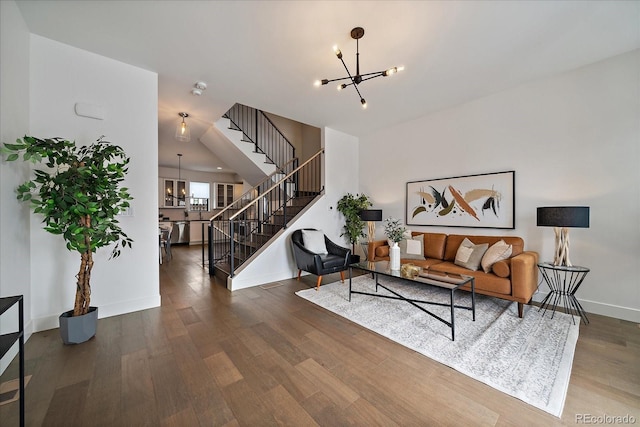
pixel 394 230
pixel 79 194
pixel 350 207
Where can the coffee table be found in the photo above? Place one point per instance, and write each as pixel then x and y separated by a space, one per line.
pixel 448 282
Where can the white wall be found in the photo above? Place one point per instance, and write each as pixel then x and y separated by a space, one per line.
pixel 311 142
pixel 305 139
pixel 15 275
pixel 341 177
pixel 573 139
pixel 291 130
pixel 60 76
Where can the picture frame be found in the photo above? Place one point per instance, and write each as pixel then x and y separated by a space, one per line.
pixel 476 201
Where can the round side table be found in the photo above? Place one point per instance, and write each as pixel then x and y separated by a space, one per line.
pixel 563 282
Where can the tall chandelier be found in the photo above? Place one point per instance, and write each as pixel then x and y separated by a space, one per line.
pixel 357 33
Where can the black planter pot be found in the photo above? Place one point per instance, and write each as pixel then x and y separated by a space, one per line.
pixel 355 259
pixel 78 329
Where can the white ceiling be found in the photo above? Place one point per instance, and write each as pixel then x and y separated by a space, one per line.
pixel 267 54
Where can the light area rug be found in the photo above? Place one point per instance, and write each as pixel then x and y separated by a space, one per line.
pixel 528 358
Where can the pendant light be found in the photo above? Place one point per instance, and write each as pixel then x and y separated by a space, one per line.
pixel 355 80
pixel 183 133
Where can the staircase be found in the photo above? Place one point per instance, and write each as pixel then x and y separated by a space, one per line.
pixel 258 130
pixel 237 233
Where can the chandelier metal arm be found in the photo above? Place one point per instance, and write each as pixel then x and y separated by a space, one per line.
pixel 348 73
pixel 368 76
pixel 325 81
pixel 353 81
pixel 379 74
pixel 362 101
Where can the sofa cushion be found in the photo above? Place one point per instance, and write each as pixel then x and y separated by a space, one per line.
pixel 470 255
pixel 502 268
pixel 313 241
pixel 496 252
pixel 434 244
pixel 412 248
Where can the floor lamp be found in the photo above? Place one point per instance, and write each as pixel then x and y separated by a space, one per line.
pixel 562 217
pixel 370 216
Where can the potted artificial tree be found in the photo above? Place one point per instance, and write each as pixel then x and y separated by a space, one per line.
pixel 79 194
pixel 350 207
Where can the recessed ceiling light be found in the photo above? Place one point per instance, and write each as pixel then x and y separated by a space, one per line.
pixel 219 168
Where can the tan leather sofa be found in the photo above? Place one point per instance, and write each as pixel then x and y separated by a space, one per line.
pixel 513 279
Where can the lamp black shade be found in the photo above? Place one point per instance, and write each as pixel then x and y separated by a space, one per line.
pixel 371 215
pixel 563 216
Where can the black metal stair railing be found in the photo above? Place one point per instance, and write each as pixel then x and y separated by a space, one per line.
pixel 218 223
pixel 259 130
pixel 240 230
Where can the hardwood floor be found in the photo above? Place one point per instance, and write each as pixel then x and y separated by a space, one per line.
pixel 264 356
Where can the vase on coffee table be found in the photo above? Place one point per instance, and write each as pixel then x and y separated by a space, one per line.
pixel 394 255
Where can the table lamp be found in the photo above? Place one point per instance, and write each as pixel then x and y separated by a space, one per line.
pixel 561 218
pixel 371 215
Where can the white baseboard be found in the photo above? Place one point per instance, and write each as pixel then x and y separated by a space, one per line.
pixel 610 310
pixel 625 313
pixel 244 281
pixel 123 307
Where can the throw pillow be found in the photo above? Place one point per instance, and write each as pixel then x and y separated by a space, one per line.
pixel 382 251
pixel 501 268
pixel 313 240
pixel 412 248
pixel 497 252
pixel 470 255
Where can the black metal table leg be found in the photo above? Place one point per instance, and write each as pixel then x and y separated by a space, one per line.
pixel 453 317
pixel 473 298
pixel 350 275
pixel 563 282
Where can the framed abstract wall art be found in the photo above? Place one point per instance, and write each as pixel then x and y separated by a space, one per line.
pixel 483 201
